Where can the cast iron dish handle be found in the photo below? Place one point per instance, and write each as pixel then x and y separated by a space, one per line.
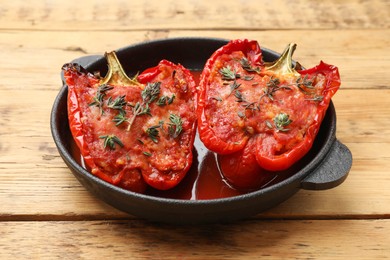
pixel 332 171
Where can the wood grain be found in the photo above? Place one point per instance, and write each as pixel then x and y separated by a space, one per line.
pixel 296 239
pixel 44 52
pixel 188 15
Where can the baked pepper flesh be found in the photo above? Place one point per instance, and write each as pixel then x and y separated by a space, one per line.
pixel 260 117
pixel 134 132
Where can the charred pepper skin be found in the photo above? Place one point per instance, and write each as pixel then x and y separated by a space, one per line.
pixel 259 117
pixel 126 134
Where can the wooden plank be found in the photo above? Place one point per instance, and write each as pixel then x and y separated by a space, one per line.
pixel 294 239
pixel 34 59
pixel 169 14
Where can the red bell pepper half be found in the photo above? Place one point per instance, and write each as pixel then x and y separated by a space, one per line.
pixel 134 132
pixel 260 117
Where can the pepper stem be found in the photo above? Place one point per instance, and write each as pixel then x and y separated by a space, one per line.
pixel 116 75
pixel 283 65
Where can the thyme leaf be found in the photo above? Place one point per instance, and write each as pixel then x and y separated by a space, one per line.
pixel 217 98
pixel 138 109
pixel 153 133
pixel 117 103
pixel 170 100
pixel 245 64
pixel 120 118
pixel 304 83
pixel 162 101
pixel 239 96
pixel 228 74
pixel 273 82
pixel 281 121
pixel 110 141
pixel 272 86
pixel 317 98
pixel 98 100
pixel 252 106
pixel 234 86
pixel 147 154
pixel 241 114
pixel 175 126
pixel 268 124
pixel 150 92
pixel 248 77
pixel 165 100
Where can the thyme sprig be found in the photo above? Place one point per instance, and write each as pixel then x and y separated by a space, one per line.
pixel 228 74
pixel 175 127
pixel 281 121
pixel 165 100
pixel 240 98
pixel 153 133
pixel 149 94
pixel 120 118
pixel 110 141
pixel 305 85
pixel 234 86
pixel 138 110
pixel 316 98
pixel 272 86
pixel 245 64
pixel 98 99
pixel 117 103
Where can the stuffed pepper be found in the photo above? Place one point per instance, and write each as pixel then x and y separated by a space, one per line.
pixel 134 132
pixel 260 117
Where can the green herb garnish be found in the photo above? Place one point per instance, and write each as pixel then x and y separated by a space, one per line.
pixel 228 74
pixel 117 103
pixel 147 154
pixel 153 133
pixel 247 66
pixel 110 141
pixel 234 86
pixel 273 85
pixel 175 126
pixel 164 100
pixel 98 100
pixel 281 121
pixel 151 92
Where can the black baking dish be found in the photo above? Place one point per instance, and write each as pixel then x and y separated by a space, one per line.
pixel 326 166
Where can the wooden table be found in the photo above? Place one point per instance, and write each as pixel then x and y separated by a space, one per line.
pixel 46 213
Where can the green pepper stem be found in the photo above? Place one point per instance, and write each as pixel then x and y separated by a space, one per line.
pixel 283 65
pixel 116 75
